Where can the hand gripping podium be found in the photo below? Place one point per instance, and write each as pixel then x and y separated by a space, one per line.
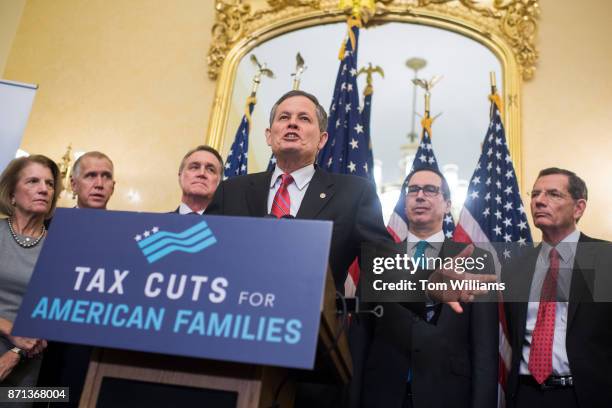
pixel 205 311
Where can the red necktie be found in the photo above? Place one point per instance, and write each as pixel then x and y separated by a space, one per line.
pixel 540 355
pixel 281 204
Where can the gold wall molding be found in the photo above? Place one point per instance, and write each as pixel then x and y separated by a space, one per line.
pixel 513 21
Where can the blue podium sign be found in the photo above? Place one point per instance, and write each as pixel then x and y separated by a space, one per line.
pixel 228 288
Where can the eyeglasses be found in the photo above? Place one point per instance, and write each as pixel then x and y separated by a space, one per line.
pixel 554 195
pixel 428 190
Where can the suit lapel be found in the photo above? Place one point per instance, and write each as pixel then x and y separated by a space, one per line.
pixel 521 307
pixel 257 194
pixel 450 248
pixel 319 192
pixel 581 289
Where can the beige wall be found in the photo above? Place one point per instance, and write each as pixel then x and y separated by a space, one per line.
pixel 129 78
pixel 10 15
pixel 124 77
pixel 567 120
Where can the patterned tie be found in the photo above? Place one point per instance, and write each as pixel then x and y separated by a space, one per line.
pixel 281 205
pixel 540 355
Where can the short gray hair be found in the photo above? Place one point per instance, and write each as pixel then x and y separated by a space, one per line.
pixel 320 111
pixel 76 167
pixel 201 148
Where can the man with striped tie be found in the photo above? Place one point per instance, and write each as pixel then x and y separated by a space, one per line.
pixel 453 362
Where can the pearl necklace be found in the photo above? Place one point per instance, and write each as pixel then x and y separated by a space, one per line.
pixel 27 242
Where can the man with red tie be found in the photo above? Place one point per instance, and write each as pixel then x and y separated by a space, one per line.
pixel 562 338
pixel 298 188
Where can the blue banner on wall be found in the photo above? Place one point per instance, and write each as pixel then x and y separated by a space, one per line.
pixel 227 288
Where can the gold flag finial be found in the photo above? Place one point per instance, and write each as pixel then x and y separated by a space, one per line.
pixel 427 86
pixel 262 69
pixel 369 71
pixel 300 67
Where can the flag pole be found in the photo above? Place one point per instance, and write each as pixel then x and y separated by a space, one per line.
pixel 493 83
pixel 236 163
pixel 494 97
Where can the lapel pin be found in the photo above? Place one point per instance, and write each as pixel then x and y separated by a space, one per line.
pixel 322 195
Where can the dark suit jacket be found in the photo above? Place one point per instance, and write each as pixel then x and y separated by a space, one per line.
pixel 353 206
pixel 454 362
pixel 350 202
pixel 589 330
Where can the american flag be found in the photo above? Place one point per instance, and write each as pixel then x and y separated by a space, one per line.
pixel 346 150
pixel 272 162
pixel 348 147
pixel 366 112
pixel 423 159
pixel 236 162
pixel 493 213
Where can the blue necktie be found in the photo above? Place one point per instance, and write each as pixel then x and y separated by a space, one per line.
pixel 419 256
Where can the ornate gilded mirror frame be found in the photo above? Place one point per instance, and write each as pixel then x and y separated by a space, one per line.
pixel 506 27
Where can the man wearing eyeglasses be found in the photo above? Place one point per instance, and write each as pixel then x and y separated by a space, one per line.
pixel 562 338
pixel 453 362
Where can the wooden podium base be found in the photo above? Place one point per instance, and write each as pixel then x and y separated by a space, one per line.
pixel 253 386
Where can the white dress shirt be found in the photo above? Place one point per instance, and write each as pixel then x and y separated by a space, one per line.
pixel 435 242
pixel 567 251
pixel 184 210
pixel 432 250
pixel 297 189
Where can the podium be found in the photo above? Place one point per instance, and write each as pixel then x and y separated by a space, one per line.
pixel 205 314
pixel 224 384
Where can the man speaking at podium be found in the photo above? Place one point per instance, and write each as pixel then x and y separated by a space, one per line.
pixel 298 188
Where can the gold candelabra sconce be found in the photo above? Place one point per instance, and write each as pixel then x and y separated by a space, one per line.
pixel 65 167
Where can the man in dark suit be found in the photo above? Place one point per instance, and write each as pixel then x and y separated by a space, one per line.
pixel 453 362
pixel 297 132
pixel 200 173
pixel 562 338
pixel 298 188
pixel 65 364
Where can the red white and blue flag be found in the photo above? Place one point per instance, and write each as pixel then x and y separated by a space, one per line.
pixel 424 159
pixel 347 147
pixel 493 217
pixel 347 150
pixel 237 159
